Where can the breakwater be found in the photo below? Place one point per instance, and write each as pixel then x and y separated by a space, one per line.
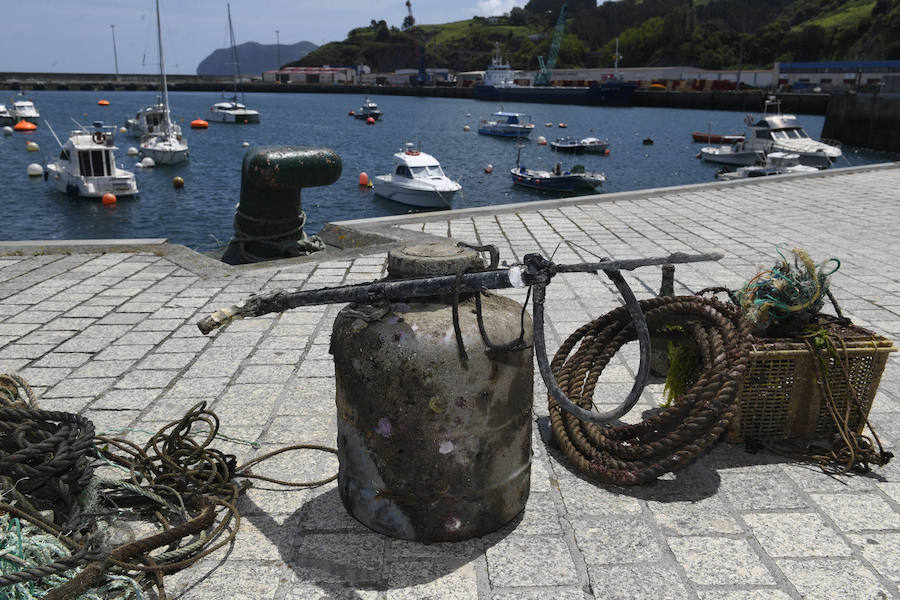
pixel 864 120
pixel 745 101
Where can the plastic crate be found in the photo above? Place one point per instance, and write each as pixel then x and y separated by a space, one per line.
pixel 781 398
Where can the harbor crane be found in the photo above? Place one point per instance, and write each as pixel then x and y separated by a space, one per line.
pixel 543 78
pixel 422 76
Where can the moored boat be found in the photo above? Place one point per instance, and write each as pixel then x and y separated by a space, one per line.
pixel 776 163
pixel 777 132
pixel 593 144
pixel 232 111
pixel 507 124
pixel 86 165
pixel 567 144
pixel 736 155
pixel 717 138
pixel 24 110
pixel 368 109
pixel 417 180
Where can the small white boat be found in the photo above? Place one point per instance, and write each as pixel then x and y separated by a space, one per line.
pixel 6 117
pixel 736 155
pixel 87 166
pixel 593 144
pixel 507 124
pixel 167 145
pixel 417 180
pixel 567 144
pixel 24 110
pixel 777 132
pixel 777 163
pixel 147 120
pixel 232 111
pixel 368 109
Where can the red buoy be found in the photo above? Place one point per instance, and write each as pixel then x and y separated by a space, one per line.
pixel 199 124
pixel 351 113
pixel 363 179
pixel 103 102
pixel 108 198
pixel 370 121
pixel 24 126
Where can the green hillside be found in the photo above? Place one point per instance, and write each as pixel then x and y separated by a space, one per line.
pixel 713 34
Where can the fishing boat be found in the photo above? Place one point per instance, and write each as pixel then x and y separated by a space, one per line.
pixel 368 109
pixel 86 165
pixel 557 179
pixel 567 144
pixel 777 132
pixel 594 144
pixel 166 145
pixel 507 124
pixel 417 180
pixel 717 138
pixel 24 110
pixel 776 163
pixel 736 155
pixel 232 111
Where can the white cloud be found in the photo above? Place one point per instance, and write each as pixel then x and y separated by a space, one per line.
pixel 489 8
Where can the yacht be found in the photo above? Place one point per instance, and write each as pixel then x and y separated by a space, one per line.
pixel 165 145
pixel 507 124
pixel 6 117
pixel 87 165
pixel 368 109
pixel 147 120
pixel 232 111
pixel 777 132
pixel 24 110
pixel 417 180
pixel 777 163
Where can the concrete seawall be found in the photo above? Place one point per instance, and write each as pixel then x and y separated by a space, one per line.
pixel 867 120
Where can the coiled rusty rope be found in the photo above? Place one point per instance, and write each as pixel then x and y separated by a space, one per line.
pixel 634 454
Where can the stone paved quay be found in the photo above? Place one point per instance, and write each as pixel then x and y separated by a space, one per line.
pixel 108 330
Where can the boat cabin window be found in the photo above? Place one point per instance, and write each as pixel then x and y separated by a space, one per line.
pixel 94 163
pixel 764 135
pixel 427 171
pixel 513 120
pixel 64 154
pixel 403 171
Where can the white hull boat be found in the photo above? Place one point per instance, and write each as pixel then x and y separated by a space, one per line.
pixel 24 110
pixel 777 163
pixel 507 124
pixel 736 156
pixel 148 120
pixel 86 166
pixel 166 146
pixel 6 117
pixel 593 144
pixel 777 132
pixel 232 111
pixel 417 180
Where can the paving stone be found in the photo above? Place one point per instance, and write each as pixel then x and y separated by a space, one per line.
pixel 854 512
pixel 833 579
pixel 234 579
pixel 756 594
pixel 76 388
pixel 705 516
pixel 636 582
pixel 530 560
pixel 146 379
pixel 539 594
pixel 431 580
pixel 349 557
pixel 582 497
pixel 761 490
pixel 796 534
pixel 882 550
pixel 719 560
pixel 611 539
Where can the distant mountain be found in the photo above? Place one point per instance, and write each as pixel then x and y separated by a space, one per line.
pixel 253 58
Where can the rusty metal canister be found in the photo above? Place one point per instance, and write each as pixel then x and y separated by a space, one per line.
pixel 434 443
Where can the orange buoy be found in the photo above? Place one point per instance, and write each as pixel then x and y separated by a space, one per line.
pixel 351 113
pixel 563 125
pixel 108 198
pixel 489 169
pixel 103 102
pixel 606 152
pixel 363 178
pixel 370 121
pixel 199 124
pixel 24 125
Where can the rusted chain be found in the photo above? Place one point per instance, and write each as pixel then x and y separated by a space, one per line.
pixel 633 454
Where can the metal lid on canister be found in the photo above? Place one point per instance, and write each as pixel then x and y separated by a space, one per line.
pixel 430 260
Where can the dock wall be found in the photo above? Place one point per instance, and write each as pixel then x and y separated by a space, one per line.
pixel 866 120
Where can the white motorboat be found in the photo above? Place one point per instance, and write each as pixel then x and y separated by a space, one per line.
pixel 736 155
pixel 166 146
pixel 777 132
pixel 417 180
pixel 147 120
pixel 368 109
pixel 593 144
pixel 87 165
pixel 24 110
pixel 6 117
pixel 777 163
pixel 507 124
pixel 499 73
pixel 232 111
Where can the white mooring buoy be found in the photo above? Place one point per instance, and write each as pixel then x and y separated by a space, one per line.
pixel 148 162
pixel 35 170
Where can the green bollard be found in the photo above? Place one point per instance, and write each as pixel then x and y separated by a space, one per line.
pixel 268 222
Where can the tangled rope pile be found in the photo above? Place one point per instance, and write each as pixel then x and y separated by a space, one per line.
pixel 634 454
pixel 50 461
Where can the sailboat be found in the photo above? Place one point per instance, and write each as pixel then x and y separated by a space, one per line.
pixel 232 111
pixel 166 146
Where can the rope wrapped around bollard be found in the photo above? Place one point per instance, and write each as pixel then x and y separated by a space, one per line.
pixel 633 454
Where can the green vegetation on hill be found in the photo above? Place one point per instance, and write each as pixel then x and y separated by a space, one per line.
pixel 713 34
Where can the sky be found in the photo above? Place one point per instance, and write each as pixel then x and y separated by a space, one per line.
pixel 74 36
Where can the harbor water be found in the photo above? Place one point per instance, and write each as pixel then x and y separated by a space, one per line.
pixel 200 215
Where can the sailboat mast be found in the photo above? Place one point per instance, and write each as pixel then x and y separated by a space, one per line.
pixel 162 74
pixel 234 60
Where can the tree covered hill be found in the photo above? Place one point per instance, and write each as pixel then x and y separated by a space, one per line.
pixel 712 34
